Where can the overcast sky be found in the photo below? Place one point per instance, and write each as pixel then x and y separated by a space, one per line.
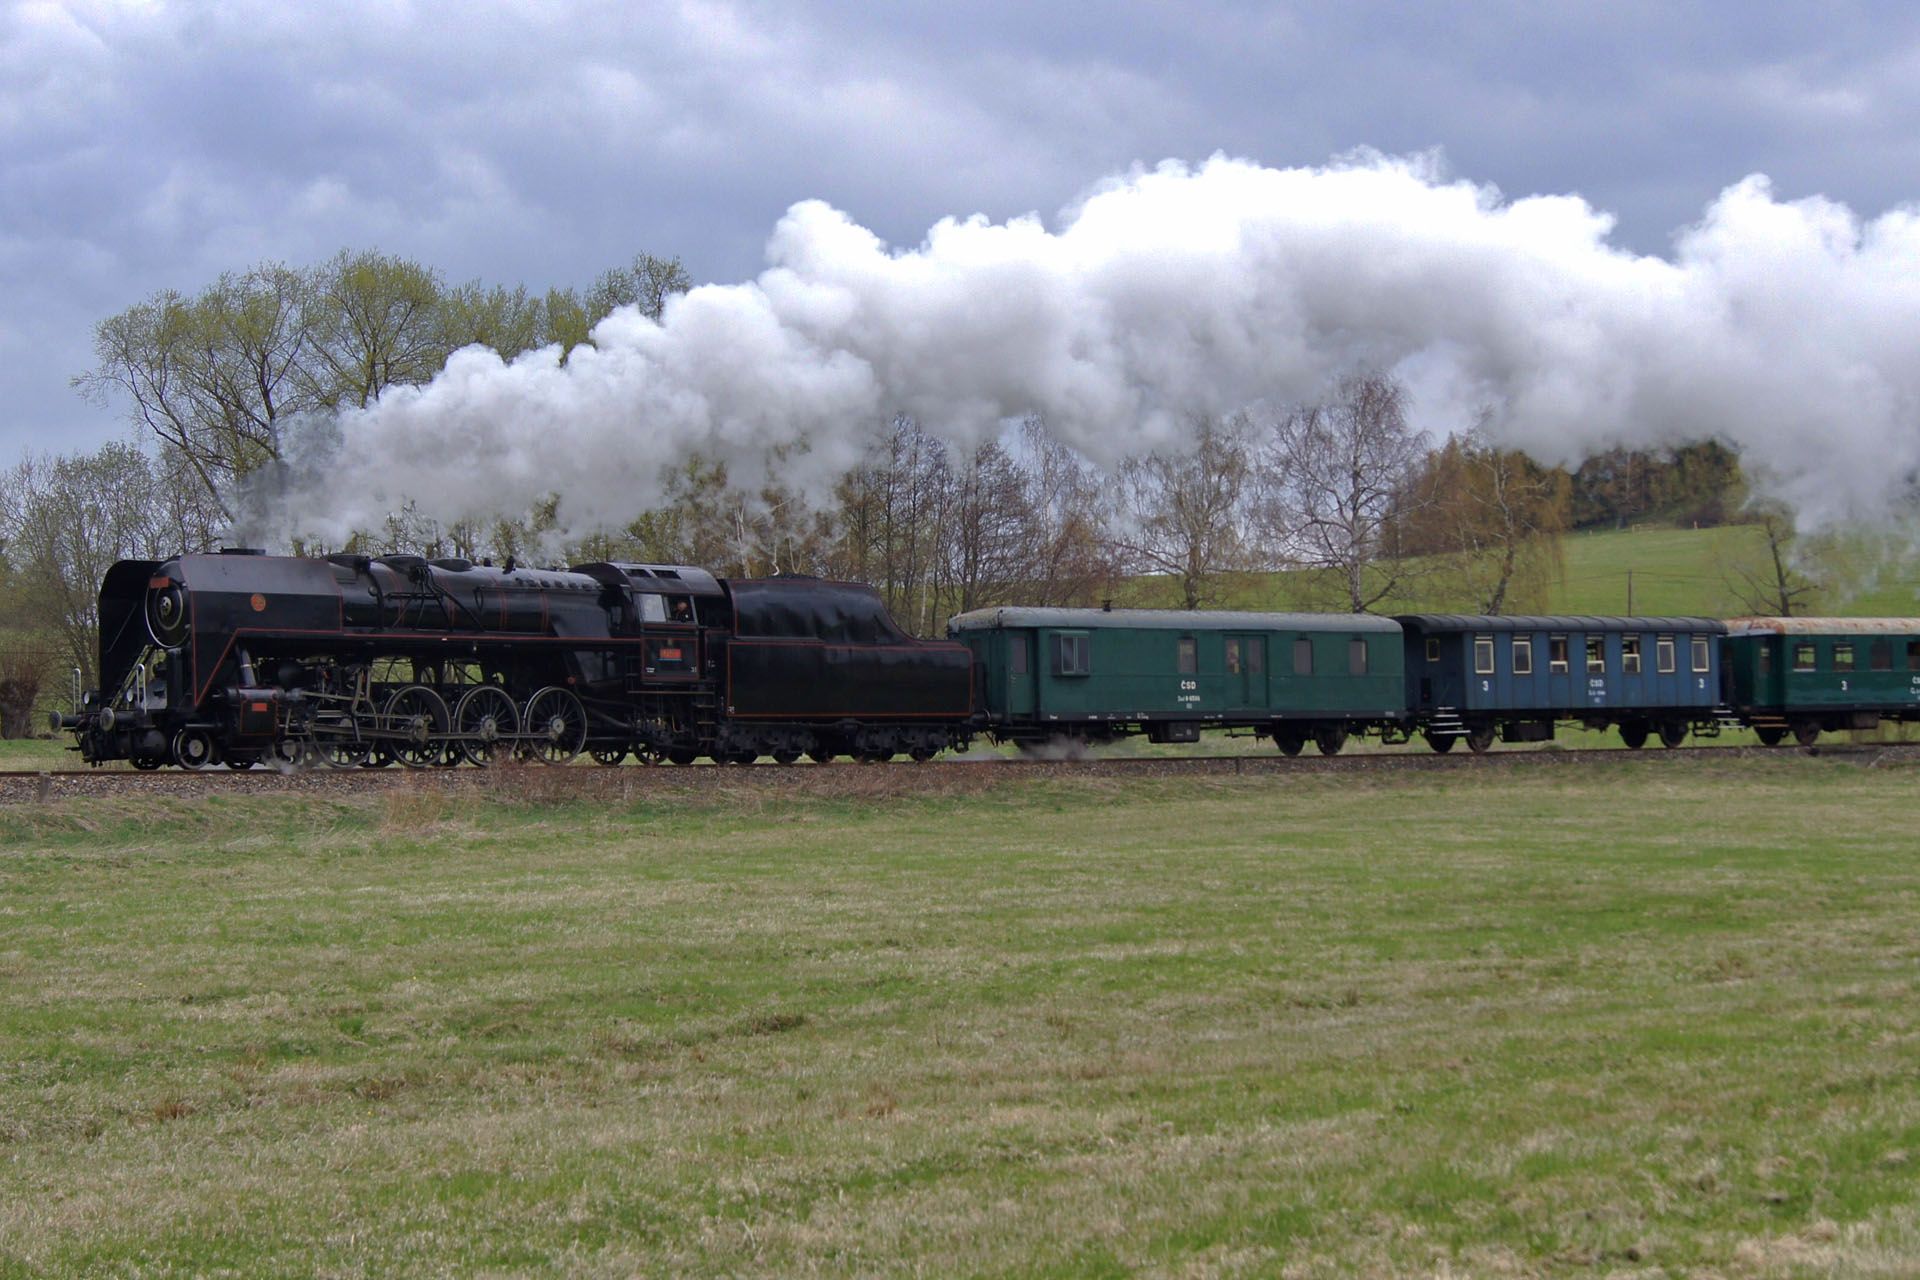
pixel 153 145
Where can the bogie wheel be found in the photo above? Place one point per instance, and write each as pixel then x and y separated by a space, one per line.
pixel 486 722
pixel 195 749
pixel 241 761
pixel 1290 744
pixel 291 753
pixel 1634 733
pixel 1672 734
pixel 1329 740
pixel 1771 735
pixel 609 756
pixel 556 725
pixel 1441 742
pixel 346 753
pixel 1480 740
pixel 1806 733
pixel 647 753
pixel 416 723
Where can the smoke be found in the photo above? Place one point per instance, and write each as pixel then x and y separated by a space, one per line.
pixel 1788 329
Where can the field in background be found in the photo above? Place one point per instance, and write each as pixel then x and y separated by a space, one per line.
pixel 1688 572
pixel 1653 1017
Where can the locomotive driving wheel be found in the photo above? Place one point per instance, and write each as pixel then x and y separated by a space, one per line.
pixel 486 722
pixel 416 724
pixel 556 725
pixel 195 749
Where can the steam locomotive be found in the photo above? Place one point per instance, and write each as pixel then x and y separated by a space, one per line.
pixel 239 657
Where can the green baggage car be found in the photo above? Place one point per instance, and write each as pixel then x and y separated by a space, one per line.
pixel 1092 675
pixel 1806 675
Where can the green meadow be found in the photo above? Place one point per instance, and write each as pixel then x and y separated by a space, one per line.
pixel 1648 1016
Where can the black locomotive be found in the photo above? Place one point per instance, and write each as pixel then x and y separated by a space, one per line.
pixel 240 657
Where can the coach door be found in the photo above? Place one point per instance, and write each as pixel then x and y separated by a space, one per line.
pixel 1019 673
pixel 1245 672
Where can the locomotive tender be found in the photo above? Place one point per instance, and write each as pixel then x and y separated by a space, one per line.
pixel 238 657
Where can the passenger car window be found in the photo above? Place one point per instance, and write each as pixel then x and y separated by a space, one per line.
pixel 1913 655
pixel 1523 655
pixel 1630 655
pixel 1356 656
pixel 1190 655
pixel 1843 656
pixel 1663 655
pixel 1556 654
pixel 1804 656
pixel 1256 657
pixel 1433 649
pixel 1071 655
pixel 1881 656
pixel 1483 655
pixel 1017 655
pixel 1702 654
pixel 1303 657
pixel 1596 653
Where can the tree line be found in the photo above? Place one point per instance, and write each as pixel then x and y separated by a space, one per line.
pixel 1364 511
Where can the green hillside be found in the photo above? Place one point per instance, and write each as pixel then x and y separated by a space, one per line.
pixel 1672 571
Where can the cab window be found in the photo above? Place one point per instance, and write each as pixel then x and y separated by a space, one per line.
pixel 652 607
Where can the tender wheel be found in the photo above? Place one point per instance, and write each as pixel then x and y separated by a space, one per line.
pixel 1672 734
pixel 820 756
pixel 1806 733
pixel 1771 735
pixel 1290 743
pixel 609 756
pixel 1330 739
pixel 745 755
pixel 416 725
pixel 1634 734
pixel 241 761
pixel 1441 742
pixel 486 723
pixel 146 764
pixel 682 755
pixel 920 755
pixel 556 725
pixel 195 749
pixel 1480 740
pixel 785 756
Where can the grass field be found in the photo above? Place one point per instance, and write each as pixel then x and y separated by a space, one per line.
pixel 1683 572
pixel 1652 1017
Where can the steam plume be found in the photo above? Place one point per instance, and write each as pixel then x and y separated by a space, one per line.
pixel 1789 329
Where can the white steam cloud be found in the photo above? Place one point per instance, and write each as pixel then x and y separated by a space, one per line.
pixel 1790 330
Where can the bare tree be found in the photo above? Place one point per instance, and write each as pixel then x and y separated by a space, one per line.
pixel 1183 511
pixel 1772 583
pixel 981 548
pixel 1490 521
pixel 1068 507
pixel 1335 478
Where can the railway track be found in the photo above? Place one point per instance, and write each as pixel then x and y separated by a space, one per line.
pixel 26 785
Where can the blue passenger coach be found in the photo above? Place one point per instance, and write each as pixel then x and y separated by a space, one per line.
pixel 1473 677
